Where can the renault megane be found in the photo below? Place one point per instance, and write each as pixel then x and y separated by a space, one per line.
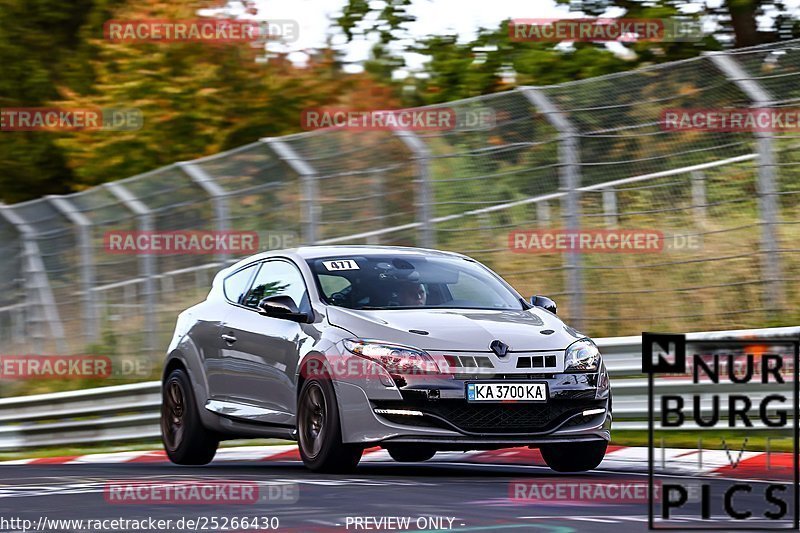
pixel 347 347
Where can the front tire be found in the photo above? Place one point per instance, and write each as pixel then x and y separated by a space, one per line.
pixel 186 440
pixel 319 430
pixel 574 456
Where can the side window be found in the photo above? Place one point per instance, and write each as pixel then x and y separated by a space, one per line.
pixel 278 278
pixel 236 285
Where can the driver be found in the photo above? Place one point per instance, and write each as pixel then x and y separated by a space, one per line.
pixel 412 294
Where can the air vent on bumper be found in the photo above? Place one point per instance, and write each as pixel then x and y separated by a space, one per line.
pixel 536 361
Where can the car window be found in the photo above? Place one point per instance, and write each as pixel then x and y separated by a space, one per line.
pixel 410 281
pixel 277 278
pixel 468 288
pixel 236 285
pixel 333 284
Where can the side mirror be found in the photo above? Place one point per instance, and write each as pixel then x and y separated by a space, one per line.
pixel 282 307
pixel 545 303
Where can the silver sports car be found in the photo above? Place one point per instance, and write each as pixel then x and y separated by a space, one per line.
pixel 347 347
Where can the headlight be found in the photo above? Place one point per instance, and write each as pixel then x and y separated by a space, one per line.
pixel 582 356
pixel 394 358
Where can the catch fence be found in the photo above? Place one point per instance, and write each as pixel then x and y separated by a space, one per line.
pixel 590 154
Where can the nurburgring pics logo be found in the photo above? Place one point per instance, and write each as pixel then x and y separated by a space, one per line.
pixel 736 386
pixel 604 30
pixel 62 119
pixel 181 242
pixel 731 120
pixel 631 241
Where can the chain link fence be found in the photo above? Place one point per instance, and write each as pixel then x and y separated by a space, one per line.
pixel 589 154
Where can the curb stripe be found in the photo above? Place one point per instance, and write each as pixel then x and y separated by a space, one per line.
pixel 619 458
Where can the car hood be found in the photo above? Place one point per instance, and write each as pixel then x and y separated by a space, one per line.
pixel 458 329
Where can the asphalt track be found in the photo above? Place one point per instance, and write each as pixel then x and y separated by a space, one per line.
pixel 475 496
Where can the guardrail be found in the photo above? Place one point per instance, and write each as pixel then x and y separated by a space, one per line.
pixel 131 412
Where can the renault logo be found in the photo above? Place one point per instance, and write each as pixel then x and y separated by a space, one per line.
pixel 499 348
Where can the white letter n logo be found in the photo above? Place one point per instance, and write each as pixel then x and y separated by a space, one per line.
pixel 663 353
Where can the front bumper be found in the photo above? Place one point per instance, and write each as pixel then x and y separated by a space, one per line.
pixel 444 419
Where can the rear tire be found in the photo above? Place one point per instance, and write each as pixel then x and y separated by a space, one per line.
pixel 410 454
pixel 186 440
pixel 574 456
pixel 319 432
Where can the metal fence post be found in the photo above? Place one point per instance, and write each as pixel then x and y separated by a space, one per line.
pixel 218 196
pixel 43 303
pixel 543 213
pixel 570 181
pixel 699 202
pixel 610 207
pixel 378 190
pixel 147 262
pixel 424 193
pixel 308 176
pixel 767 179
pixel 84 229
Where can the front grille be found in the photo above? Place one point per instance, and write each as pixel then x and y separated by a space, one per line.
pixel 494 418
pixel 468 361
pixel 537 361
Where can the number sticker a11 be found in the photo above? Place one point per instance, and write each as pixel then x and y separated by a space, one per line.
pixel 342 264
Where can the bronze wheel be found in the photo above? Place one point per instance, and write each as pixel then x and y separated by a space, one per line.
pixel 186 440
pixel 312 422
pixel 319 431
pixel 172 424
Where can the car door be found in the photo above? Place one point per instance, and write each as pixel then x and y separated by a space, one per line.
pixel 208 334
pixel 261 353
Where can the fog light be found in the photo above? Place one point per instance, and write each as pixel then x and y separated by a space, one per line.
pixel 591 412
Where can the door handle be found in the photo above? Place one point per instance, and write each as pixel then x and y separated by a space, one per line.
pixel 228 338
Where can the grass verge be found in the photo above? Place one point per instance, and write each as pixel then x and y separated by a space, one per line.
pixel 709 439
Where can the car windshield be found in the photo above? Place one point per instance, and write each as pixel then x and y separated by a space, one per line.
pixel 409 281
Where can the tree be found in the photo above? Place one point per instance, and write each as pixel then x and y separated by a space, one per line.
pixel 492 61
pixel 41 52
pixel 195 98
pixel 738 19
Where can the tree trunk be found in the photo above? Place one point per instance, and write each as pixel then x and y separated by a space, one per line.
pixel 743 21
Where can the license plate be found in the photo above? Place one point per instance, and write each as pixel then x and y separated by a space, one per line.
pixel 507 392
